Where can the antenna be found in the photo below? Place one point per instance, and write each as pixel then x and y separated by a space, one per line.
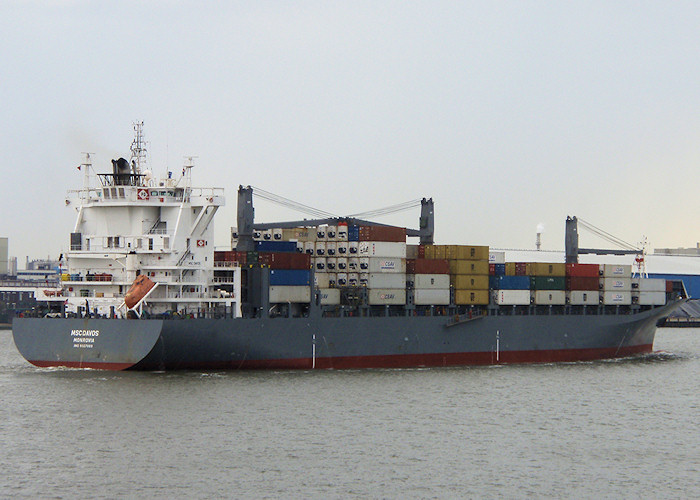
pixel 138 149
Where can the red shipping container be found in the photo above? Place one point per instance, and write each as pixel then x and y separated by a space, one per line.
pixel 492 269
pixel 241 257
pixel 582 283
pixel 432 266
pixel 521 268
pixel 410 266
pixel 669 286
pixel 583 270
pixel 421 251
pixel 285 260
pixel 383 233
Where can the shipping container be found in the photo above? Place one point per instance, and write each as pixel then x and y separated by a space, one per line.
pixel 410 266
pixel 353 279
pixel 321 280
pixel 548 283
pixel 390 296
pixel 332 279
pixel 466 252
pixel 473 267
pixel 385 265
pixel 611 284
pixel 300 246
pixel 320 263
pixel 431 297
pixel 331 233
pixel 386 280
pixel 267 235
pixel 364 278
pixel 646 298
pixel 588 283
pixel 342 263
pixel 547 269
pixel 290 277
pixel 277 234
pixel 321 248
pixel 620 298
pixel 412 251
pixel 428 251
pixel 310 247
pixel 382 249
pixel 510 268
pixel 331 264
pixel 584 297
pixel 276 246
pixel 424 281
pixel 353 264
pixel 353 233
pixel 472 297
pixel 583 270
pixel 421 252
pixel 512 282
pixel 512 297
pixel 342 231
pixel 649 285
pixel 341 279
pixel 382 233
pixel 467 282
pixel 329 296
pixel 364 264
pixel 410 280
pixel 284 260
pixel 432 266
pixel 550 297
pixel 521 269
pixel 286 293
pixel 616 271
pixel 343 248
pixel 497 257
pixel 352 247
pixel 330 248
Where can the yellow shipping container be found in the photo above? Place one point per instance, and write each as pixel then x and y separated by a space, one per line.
pixel 469 252
pixel 469 282
pixel 510 268
pixel 440 252
pixel 429 251
pixel 477 267
pixel 472 297
pixel 547 269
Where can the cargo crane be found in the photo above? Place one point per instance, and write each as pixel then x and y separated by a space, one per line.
pixel 246 214
pixel 573 250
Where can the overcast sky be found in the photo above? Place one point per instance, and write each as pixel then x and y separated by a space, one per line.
pixel 509 114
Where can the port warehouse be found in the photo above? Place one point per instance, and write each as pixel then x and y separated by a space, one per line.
pixel 374 267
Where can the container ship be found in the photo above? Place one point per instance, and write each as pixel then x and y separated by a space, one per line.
pixel 146 290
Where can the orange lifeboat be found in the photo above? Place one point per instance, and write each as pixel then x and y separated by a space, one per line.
pixel 139 288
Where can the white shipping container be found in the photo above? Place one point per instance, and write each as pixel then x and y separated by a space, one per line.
pixel 331 233
pixel 364 263
pixel 342 232
pixel 330 248
pixel 353 264
pixel 497 258
pixel 353 279
pixel 652 298
pixel 329 296
pixel 342 263
pixel 584 297
pixel 386 265
pixel 386 296
pixel 412 251
pixel 617 270
pixel 331 264
pixel 364 278
pixel 342 248
pixel 277 234
pixel 431 297
pixel 321 248
pixel 310 247
pixel 353 247
pixel 332 279
pixel 382 249
pixel 341 279
pixel 612 284
pixel 300 246
pixel 550 297
pixel 290 294
pixel 649 284
pixel 320 264
pixel 321 280
pixel 321 233
pixel 424 281
pixel 512 297
pixel 267 235
pixel 617 298
pixel 387 280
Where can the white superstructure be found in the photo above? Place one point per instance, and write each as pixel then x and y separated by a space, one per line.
pixel 130 223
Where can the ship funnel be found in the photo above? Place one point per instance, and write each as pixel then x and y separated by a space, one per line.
pixel 121 170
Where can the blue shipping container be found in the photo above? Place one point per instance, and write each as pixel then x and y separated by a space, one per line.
pixel 500 269
pixel 353 233
pixel 512 282
pixel 276 246
pixel 290 277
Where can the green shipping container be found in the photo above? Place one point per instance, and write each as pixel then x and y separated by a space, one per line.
pixel 547 283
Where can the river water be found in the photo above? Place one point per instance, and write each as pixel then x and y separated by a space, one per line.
pixel 613 429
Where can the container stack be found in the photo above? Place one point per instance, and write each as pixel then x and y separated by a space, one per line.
pixel 616 284
pixel 649 291
pixel 385 264
pixel 430 280
pixel 548 282
pixel 290 285
pixel 468 269
pixel 583 284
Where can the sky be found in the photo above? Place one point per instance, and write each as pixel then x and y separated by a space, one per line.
pixel 509 114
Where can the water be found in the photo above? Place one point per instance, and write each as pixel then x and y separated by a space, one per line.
pixel 614 429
